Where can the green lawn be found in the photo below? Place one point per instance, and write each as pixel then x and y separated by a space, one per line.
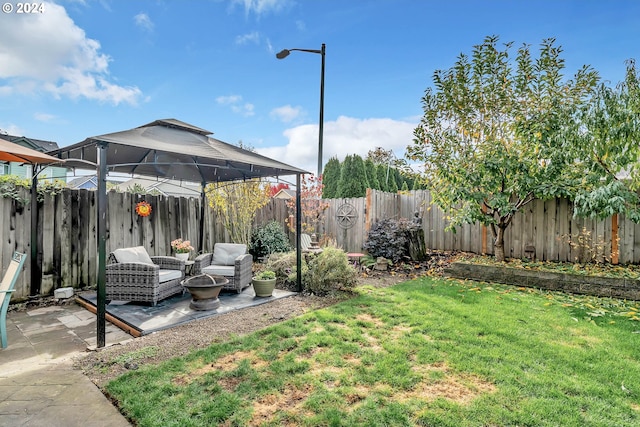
pixel 429 352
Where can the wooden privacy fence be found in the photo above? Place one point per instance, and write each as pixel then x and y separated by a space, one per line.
pixel 66 231
pixel 546 226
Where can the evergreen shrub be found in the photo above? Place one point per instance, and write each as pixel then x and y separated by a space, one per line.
pixel 268 239
pixel 322 274
pixel 330 272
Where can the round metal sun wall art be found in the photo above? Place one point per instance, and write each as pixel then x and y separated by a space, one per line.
pixel 346 215
pixel 143 208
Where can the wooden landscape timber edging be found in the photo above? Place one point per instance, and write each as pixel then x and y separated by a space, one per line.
pixel 110 318
pixel 573 283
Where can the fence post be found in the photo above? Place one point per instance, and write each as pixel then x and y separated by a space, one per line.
pixel 614 239
pixel 483 232
pixel 367 211
pixel 36 266
pixel 203 201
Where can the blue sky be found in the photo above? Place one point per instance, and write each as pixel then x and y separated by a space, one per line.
pixel 83 68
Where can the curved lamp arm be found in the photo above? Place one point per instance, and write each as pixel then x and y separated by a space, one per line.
pixel 283 54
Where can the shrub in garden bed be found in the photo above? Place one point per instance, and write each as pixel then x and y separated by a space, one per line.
pixel 268 239
pixel 330 272
pixel 323 274
pixel 284 265
pixel 389 238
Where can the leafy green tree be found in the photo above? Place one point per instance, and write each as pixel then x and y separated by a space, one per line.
pixel 609 151
pixel 381 171
pixel 380 156
pixel 137 189
pixel 417 185
pixel 495 133
pixel 353 179
pixel 400 178
pixel 344 166
pixel 393 181
pixel 236 204
pixel 312 204
pixel 372 175
pixel 331 178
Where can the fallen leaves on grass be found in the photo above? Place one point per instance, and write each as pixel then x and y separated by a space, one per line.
pixel 592 306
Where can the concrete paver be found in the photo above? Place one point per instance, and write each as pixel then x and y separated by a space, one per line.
pixel 38 385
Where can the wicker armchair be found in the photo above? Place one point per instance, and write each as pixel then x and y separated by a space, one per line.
pixel 230 260
pixel 132 275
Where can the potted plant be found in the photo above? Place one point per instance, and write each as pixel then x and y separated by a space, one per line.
pixel 181 248
pixel 264 283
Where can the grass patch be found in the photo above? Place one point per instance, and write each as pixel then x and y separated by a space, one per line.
pixel 132 358
pixel 429 352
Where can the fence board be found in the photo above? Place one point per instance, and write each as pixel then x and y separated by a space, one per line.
pixel 65 237
pixel 527 231
pixel 514 232
pixel 636 243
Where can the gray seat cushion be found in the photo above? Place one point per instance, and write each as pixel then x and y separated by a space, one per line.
pixel 135 254
pixel 220 270
pixel 226 253
pixel 166 275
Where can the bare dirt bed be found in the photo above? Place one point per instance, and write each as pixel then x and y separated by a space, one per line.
pixel 103 365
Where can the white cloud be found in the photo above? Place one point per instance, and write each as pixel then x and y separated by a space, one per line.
pixel 286 113
pixel 44 117
pixel 11 129
pixel 246 109
pixel 143 21
pixel 253 37
pixel 300 25
pixel 48 52
pixel 346 135
pixel 261 6
pixel 228 100
pixel 235 102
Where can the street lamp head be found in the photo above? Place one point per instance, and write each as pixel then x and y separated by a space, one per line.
pixel 283 54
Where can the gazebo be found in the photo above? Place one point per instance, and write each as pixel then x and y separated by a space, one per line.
pixel 173 149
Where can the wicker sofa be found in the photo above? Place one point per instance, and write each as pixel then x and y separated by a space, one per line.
pixel 230 260
pixel 132 275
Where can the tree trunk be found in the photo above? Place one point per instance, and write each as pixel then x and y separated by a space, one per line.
pixel 417 247
pixel 498 245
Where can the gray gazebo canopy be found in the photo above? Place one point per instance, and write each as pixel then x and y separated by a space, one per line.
pixel 173 149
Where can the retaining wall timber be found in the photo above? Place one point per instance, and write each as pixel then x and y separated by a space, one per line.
pixel 574 283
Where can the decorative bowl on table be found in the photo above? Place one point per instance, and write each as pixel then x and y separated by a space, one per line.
pixel 204 290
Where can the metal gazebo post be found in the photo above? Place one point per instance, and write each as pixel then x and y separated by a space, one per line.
pixel 203 201
pixel 36 273
pixel 298 234
pixel 102 242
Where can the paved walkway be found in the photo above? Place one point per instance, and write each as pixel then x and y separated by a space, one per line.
pixel 38 386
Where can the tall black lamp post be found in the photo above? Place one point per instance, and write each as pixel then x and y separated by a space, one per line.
pixel 283 54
